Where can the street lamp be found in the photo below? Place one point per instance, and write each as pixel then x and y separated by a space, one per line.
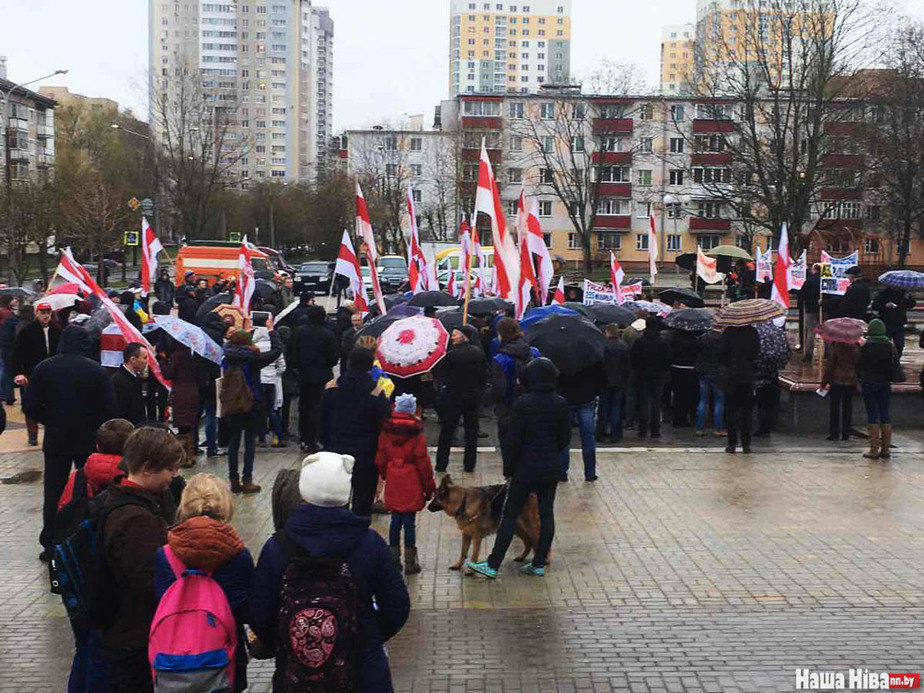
pixel 668 200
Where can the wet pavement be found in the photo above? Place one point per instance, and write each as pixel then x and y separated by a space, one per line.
pixel 681 569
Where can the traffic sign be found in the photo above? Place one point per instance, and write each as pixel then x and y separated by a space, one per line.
pixel 131 238
pixel 133 203
pixel 147 206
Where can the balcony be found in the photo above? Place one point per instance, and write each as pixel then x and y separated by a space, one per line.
pixel 17 123
pixel 17 154
pixel 45 159
pixel 482 123
pixel 613 221
pixel 703 127
pixel 841 194
pixel 44 131
pixel 602 126
pixel 705 225
pixel 618 158
pixel 616 190
pixel 711 159
pixel 851 161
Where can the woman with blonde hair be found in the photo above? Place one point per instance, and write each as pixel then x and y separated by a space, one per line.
pixel 203 540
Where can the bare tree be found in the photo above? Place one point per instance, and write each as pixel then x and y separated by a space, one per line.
pixel 610 76
pixel 442 171
pixel 380 164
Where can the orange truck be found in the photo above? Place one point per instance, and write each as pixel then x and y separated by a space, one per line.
pixel 213 259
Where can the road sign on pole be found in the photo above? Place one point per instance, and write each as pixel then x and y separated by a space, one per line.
pixel 131 238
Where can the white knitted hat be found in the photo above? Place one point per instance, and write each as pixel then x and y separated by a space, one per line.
pixel 326 479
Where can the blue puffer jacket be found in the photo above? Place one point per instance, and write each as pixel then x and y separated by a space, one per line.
pixel 337 533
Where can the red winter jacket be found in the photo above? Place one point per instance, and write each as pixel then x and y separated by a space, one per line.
pixel 404 464
pixel 100 470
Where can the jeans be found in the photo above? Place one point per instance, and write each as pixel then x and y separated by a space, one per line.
pixel 609 416
pixel 768 401
pixel 876 397
pixel 6 383
pixel 584 414
pixel 211 425
pixel 896 332
pixel 841 410
pixel 308 409
pixel 286 413
pixel 90 668
pixel 450 414
pixel 649 405
pixel 684 385
pixel 407 521
pixel 739 408
pixel 709 387
pixel 234 445
pixel 275 423
pixel 517 493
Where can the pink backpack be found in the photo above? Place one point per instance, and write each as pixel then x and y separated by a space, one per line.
pixel 193 635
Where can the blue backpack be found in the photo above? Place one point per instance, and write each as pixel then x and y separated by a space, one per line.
pixel 513 369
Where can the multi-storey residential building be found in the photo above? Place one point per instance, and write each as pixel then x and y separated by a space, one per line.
pixel 28 128
pixel 65 96
pixel 677 46
pixel 508 46
pixel 265 70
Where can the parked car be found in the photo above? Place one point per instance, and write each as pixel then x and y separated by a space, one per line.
pixel 313 276
pixel 392 273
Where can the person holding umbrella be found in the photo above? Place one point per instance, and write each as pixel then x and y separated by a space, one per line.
pixel 839 377
pixel 892 305
pixel 650 358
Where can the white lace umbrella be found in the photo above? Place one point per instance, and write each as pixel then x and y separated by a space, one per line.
pixel 412 346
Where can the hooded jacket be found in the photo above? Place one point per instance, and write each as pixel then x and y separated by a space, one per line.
pixel 404 464
pixel 876 355
pixel 71 395
pixel 207 544
pixel 510 360
pixel 100 470
pixel 351 417
pixel 270 374
pixel 336 533
pixel 541 427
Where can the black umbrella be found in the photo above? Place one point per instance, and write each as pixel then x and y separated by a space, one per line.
pixel 570 341
pixel 578 308
pixel 487 306
pixel 378 326
pixel 637 280
pixel 391 300
pixel 690 320
pixel 687 297
pixel 432 299
pixel 686 261
pixel 225 297
pixel 17 292
pixel 451 318
pixel 608 313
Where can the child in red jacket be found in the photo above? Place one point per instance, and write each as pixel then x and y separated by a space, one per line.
pixel 103 465
pixel 404 464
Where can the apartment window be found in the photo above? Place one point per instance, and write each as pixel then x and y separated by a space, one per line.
pixel 611 206
pixel 417 196
pixel 674 210
pixel 873 212
pixel 481 108
pixel 416 170
pixel 516 144
pixel 470 172
pixel 644 176
pixel 514 175
pixel 548 143
pixel 676 145
pixel 391 143
pixel 612 110
pixel 709 210
pixel 516 111
pixel 711 175
pixel 614 144
pixel 613 174
pixel 709 241
pixel 843 178
pixel 579 109
pixel 547 111
pixel 642 210
pixel 546 176
pixel 674 243
pixel 641 241
pixel 677 113
pixel 609 241
pixel 416 144
pixel 871 246
pixel 676 176
pixel 709 143
pixel 577 144
pixel 645 144
pixel 545 208
pixel 573 243
pixel 391 169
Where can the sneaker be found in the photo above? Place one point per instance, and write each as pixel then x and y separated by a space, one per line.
pixel 213 453
pixel 591 478
pixel 530 569
pixel 700 433
pixel 482 568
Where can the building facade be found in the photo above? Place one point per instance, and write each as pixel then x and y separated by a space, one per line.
pixel 265 69
pixel 677 45
pixel 508 47
pixel 27 144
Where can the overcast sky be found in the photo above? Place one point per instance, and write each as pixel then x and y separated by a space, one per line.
pixel 390 56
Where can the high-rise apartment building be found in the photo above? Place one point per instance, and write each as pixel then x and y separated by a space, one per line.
pixel 264 68
pixel 508 47
pixel 677 44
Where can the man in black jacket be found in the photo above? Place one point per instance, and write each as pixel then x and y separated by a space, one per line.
pixel 892 304
pixel 809 297
pixel 127 385
pixel 855 303
pixel 72 396
pixel 580 391
pixel 460 377
pixel 313 351
pixel 616 371
pixel 650 358
pixel 36 342
pixel 738 358
pixel 164 288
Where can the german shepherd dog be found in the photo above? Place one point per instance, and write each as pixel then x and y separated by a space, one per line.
pixel 477 511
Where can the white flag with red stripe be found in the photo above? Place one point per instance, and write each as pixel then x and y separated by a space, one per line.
pixel 364 231
pixel 348 266
pixel 487 201
pixel 527 280
pixel 536 241
pixel 616 276
pixel 418 272
pixel 652 249
pixel 782 271
pixel 559 295
pixel 150 247
pixel 246 281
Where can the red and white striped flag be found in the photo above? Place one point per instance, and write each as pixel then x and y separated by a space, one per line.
pixel 246 281
pixel 150 246
pixel 782 271
pixel 364 231
pixel 418 274
pixel 559 295
pixel 616 272
pixel 451 288
pixel 348 266
pixel 536 241
pixel 652 249
pixel 527 280
pixel 111 345
pixel 487 201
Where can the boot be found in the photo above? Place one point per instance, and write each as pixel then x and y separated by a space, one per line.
pixel 396 553
pixel 885 451
pixel 236 485
pixel 249 487
pixel 411 566
pixel 873 453
pixel 189 447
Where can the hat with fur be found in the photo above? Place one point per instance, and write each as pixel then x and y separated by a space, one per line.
pixel 326 479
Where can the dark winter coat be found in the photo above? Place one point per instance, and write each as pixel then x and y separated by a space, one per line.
pixel 352 412
pixel 8 338
pixel 129 396
pixel 29 349
pixel 738 355
pixel 313 352
pixel 71 395
pixel 131 537
pixel 502 379
pixel 540 427
pixel 164 290
pixel 461 374
pixel 708 347
pixel 404 464
pixel 202 543
pixel 347 341
pixel 180 370
pixel 683 348
pixel 841 365
pixel 187 307
pixel 855 303
pixel 875 363
pixel 336 533
pixel 903 303
pixel 584 386
pixel 251 361
pixel 809 294
pixel 650 356
pixel 616 362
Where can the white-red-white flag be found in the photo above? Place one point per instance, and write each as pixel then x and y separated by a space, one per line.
pixel 348 266
pixel 487 201
pixel 782 271
pixel 364 231
pixel 559 295
pixel 652 249
pixel 246 281
pixel 527 279
pixel 451 288
pixel 616 276
pixel 536 241
pixel 706 267
pixel 418 274
pixel 150 246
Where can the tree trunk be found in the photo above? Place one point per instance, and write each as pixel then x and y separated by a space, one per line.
pixel 587 257
pixel 43 261
pixel 904 244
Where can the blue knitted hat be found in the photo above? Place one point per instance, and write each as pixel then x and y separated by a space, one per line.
pixel 406 404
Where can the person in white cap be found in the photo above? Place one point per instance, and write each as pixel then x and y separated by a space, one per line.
pixel 324 528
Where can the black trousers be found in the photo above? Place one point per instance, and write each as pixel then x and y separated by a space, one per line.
pixel 648 397
pixel 57 470
pixel 129 671
pixel 768 401
pixel 450 413
pixel 365 482
pixel 517 493
pixel 841 409
pixel 685 385
pixel 739 408
pixel 308 410
pixel 286 412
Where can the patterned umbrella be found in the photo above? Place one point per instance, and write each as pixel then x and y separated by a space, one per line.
pixel 903 279
pixel 844 330
pixel 690 320
pixel 774 350
pixel 190 335
pixel 748 312
pixel 240 318
pixel 661 309
pixel 412 346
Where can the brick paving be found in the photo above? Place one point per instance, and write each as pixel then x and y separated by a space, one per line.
pixel 681 569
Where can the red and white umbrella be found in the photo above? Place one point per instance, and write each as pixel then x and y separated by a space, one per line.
pixel 59 301
pixel 412 346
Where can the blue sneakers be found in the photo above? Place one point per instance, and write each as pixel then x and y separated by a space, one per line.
pixel 530 569
pixel 482 568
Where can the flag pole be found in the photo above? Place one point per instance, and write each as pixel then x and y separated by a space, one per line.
pixel 468 276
